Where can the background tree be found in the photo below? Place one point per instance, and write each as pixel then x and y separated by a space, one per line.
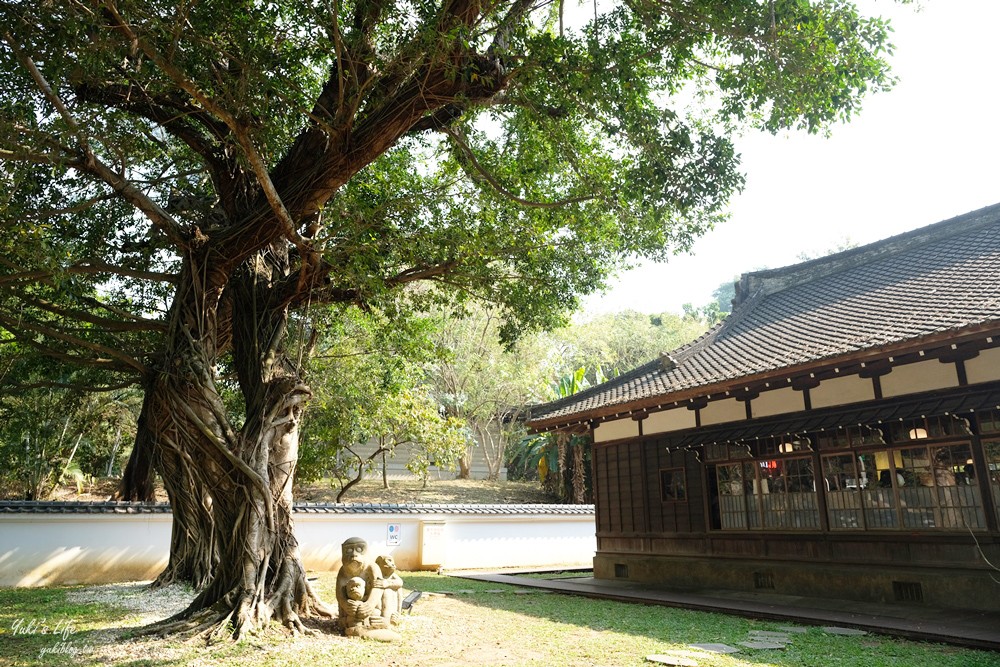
pixel 52 429
pixel 561 459
pixel 366 374
pixel 195 173
pixel 615 343
pixel 361 364
pixel 437 441
pixel 485 384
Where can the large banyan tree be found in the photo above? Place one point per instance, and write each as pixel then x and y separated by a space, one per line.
pixel 182 182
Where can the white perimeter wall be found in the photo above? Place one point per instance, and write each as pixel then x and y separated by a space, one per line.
pixel 49 549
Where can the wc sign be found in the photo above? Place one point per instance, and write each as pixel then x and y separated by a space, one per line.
pixel 392 535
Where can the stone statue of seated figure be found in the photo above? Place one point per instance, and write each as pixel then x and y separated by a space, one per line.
pixel 355 563
pixel 392 585
pixel 359 594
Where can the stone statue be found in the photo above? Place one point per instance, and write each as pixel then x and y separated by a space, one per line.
pixel 360 593
pixel 392 584
pixel 355 563
pixel 355 618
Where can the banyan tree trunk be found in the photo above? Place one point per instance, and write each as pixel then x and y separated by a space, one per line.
pixel 193 553
pixel 193 549
pixel 230 491
pixel 217 493
pixel 259 575
pixel 275 397
pixel 288 592
pixel 139 479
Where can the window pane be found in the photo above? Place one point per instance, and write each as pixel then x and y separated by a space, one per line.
pixel 787 495
pixel 917 497
pixel 958 494
pixel 878 484
pixel 672 486
pixel 732 505
pixel 843 492
pixel 847 436
pixel 989 421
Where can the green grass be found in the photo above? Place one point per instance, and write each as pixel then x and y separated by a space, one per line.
pixel 566 574
pixel 476 623
pixel 40 627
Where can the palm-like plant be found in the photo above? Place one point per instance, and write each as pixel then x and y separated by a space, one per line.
pixel 560 458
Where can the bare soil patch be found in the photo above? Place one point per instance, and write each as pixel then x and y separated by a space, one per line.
pixel 400 491
pixel 412 491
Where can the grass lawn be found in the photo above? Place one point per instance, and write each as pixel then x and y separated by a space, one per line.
pixel 475 624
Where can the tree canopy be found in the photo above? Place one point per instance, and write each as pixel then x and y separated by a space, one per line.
pixel 521 159
pixel 178 177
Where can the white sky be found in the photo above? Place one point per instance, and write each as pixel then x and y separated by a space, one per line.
pixel 925 151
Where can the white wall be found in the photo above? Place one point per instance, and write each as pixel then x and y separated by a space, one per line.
pixel 47 549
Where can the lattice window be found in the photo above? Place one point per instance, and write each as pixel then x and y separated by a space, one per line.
pixel 673 486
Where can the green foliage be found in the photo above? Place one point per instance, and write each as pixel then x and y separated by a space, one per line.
pixel 524 458
pixel 362 374
pixel 366 377
pixel 559 154
pixel 50 436
pixel 436 440
pixel 560 461
pixel 481 150
pixel 618 342
pixel 485 384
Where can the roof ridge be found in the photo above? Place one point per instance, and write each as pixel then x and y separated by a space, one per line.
pixel 8 507
pixel 770 281
pixel 941 279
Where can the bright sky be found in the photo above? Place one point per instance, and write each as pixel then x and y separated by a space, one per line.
pixel 926 151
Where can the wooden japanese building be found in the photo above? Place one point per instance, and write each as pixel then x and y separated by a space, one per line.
pixel 837 435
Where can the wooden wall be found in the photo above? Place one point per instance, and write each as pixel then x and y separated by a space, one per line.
pixel 628 493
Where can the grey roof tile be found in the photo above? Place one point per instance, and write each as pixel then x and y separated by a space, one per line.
pixel 933 280
pixel 111 507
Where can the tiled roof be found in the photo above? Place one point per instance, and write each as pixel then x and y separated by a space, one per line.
pixel 111 507
pixel 365 508
pixel 932 280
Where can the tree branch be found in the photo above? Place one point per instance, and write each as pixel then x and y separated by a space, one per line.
pixel 95 266
pixel 75 360
pixel 47 92
pixel 172 114
pixel 17 325
pixel 104 323
pixel 84 267
pixel 97 389
pixel 90 163
pixel 238 129
pixel 492 180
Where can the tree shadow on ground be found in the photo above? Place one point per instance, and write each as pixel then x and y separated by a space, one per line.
pixel 625 632
pixel 476 623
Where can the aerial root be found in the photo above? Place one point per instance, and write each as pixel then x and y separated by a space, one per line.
pixel 241 612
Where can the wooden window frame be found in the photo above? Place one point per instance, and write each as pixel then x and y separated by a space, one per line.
pixel 673 471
